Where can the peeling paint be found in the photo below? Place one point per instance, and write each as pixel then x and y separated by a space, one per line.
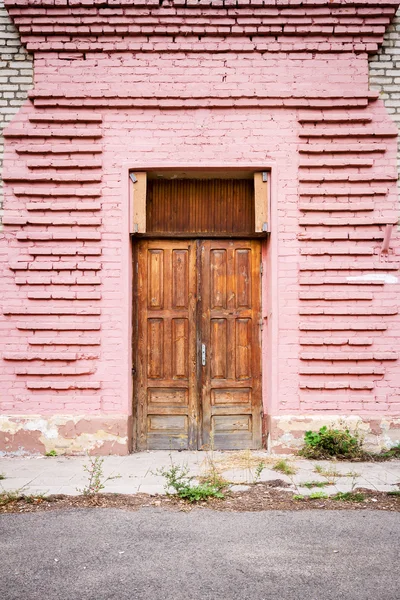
pixel 286 433
pixel 66 434
pixel 385 277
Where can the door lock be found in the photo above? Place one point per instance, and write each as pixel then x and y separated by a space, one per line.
pixel 203 355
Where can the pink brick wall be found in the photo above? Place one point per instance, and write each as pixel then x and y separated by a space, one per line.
pixel 103 103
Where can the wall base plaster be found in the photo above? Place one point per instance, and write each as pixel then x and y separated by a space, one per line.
pixel 22 435
pixel 286 433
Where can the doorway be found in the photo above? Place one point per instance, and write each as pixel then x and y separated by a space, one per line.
pixel 197 358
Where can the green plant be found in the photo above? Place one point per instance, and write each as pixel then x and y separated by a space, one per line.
pixel 97 481
pixel 51 453
pixel 394 493
pixel 2 476
pixel 349 496
pixel 312 484
pixel 318 496
pixel 259 469
pixel 34 498
pixel 298 497
pixel 284 467
pixel 10 496
pixel 7 497
pixel 329 442
pixel 393 452
pixel 177 478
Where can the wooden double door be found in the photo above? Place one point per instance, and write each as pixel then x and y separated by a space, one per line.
pixel 197 356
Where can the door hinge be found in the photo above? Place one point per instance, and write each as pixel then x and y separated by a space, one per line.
pixel 261 269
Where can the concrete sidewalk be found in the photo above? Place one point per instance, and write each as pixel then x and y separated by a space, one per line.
pixel 137 472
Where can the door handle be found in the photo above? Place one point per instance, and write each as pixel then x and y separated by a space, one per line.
pixel 203 355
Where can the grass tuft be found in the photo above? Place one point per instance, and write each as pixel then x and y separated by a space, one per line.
pixel 283 466
pixel 318 496
pixel 349 496
pixel 313 484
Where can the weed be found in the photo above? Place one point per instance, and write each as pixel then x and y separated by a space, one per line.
pixel 177 478
pixel 212 474
pixel 394 493
pixel 329 442
pixel 8 497
pixel 97 481
pixel 34 498
pixel 298 497
pixel 2 476
pixel 393 452
pixel 259 469
pixel 312 484
pixel 284 467
pixel 318 496
pixel 331 473
pixel 51 453
pixel 349 496
pixel 352 474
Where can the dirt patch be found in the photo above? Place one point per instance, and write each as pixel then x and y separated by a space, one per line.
pixel 259 497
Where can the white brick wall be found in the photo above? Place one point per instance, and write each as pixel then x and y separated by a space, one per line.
pixel 16 77
pixel 384 73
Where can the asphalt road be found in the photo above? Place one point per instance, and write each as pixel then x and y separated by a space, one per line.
pixel 107 554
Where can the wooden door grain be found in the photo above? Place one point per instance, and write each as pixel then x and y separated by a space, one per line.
pixel 166 345
pixel 230 331
pixel 193 295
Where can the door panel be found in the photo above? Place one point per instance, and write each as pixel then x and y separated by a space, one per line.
pixel 166 353
pixel 192 293
pixel 231 377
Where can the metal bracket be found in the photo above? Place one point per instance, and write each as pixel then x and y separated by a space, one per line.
pixel 265 227
pixel 265 176
pixel 132 177
pixel 203 355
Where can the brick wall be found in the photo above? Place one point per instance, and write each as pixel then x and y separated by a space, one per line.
pixel 16 77
pixel 124 88
pixel 384 73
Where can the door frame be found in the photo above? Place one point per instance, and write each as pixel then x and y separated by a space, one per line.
pixel 269 294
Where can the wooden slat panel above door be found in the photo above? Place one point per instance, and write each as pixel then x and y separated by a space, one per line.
pixel 200 206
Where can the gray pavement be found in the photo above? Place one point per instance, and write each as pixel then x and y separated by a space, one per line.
pixel 138 472
pixel 108 554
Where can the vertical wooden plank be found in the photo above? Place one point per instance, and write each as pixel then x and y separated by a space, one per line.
pixel 138 208
pixel 155 348
pixel 155 296
pixel 180 273
pixel 243 348
pixel 218 278
pixel 217 349
pixel 243 277
pixel 180 348
pixel 261 203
